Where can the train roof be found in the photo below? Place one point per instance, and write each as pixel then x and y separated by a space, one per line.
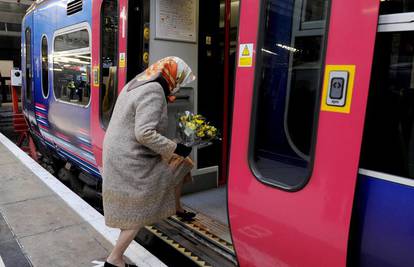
pixel 37 3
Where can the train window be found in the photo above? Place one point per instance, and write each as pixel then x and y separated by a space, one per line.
pixel 71 41
pixel 288 82
pixel 28 46
pixel 388 142
pixel 314 10
pixel 72 67
pixel 109 59
pixel 45 68
pixel 396 6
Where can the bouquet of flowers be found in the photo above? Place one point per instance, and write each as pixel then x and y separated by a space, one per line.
pixel 194 130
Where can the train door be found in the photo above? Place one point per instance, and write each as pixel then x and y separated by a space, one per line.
pixel 121 25
pixel 301 88
pixel 27 60
pixel 382 231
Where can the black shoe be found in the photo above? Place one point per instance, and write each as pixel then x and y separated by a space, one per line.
pixel 107 264
pixel 186 215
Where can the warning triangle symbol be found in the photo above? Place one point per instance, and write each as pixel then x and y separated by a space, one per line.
pixel 245 52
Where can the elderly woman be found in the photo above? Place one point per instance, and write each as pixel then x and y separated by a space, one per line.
pixel 138 185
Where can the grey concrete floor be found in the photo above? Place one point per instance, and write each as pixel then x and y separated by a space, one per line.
pixel 50 233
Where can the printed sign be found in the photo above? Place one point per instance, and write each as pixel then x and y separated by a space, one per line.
pixel 176 20
pixel 122 60
pixel 338 86
pixel 96 76
pixel 246 55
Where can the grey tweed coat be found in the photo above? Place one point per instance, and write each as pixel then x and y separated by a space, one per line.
pixel 138 185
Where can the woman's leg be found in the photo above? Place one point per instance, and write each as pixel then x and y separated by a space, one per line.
pixel 185 215
pixel 125 238
pixel 178 206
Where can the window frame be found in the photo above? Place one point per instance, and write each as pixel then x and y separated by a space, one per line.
pixel 254 110
pixel 65 30
pixel 101 121
pixel 397 22
pixel 48 65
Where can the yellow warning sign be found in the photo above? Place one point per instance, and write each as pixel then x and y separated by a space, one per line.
pixel 246 52
pixel 122 60
pixel 245 55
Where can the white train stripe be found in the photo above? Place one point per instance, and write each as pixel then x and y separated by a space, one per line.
pixel 84 139
pixel 2 263
pixel 138 254
pixel 387 177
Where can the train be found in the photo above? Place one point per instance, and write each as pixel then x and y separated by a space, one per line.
pixel 313 98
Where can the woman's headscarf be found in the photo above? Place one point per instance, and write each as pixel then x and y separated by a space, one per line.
pixel 173 70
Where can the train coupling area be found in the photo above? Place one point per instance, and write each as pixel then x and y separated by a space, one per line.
pixel 43 223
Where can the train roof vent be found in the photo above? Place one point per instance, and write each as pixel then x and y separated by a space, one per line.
pixel 74 6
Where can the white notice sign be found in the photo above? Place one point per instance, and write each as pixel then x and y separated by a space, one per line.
pixel 176 20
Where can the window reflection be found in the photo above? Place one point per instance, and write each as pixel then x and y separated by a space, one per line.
pixel 71 41
pixel 72 67
pixel 72 78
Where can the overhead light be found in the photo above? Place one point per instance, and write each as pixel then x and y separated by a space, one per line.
pixel 289 48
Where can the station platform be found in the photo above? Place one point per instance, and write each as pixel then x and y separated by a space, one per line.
pixel 43 223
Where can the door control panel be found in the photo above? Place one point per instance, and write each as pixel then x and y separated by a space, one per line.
pixel 337 88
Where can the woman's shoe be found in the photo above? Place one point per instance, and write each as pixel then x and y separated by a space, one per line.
pixel 107 264
pixel 185 215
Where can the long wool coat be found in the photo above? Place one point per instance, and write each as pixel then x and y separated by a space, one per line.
pixel 138 185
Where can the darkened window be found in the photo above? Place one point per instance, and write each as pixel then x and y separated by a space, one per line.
pixel 396 6
pixel 109 59
pixel 72 68
pixel 45 68
pixel 315 10
pixel 388 143
pixel 71 41
pixel 28 46
pixel 288 84
pixel 14 27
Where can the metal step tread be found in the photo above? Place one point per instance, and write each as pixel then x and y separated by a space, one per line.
pixel 208 228
pixel 200 249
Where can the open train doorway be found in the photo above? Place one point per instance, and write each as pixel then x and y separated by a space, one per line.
pixel 217 41
pixel 204 34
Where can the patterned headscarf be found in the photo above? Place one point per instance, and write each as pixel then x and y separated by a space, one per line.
pixel 174 70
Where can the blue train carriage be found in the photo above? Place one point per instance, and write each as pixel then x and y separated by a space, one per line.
pixel 56 57
pixel 71 80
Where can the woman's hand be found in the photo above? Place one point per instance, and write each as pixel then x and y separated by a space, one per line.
pixel 182 150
